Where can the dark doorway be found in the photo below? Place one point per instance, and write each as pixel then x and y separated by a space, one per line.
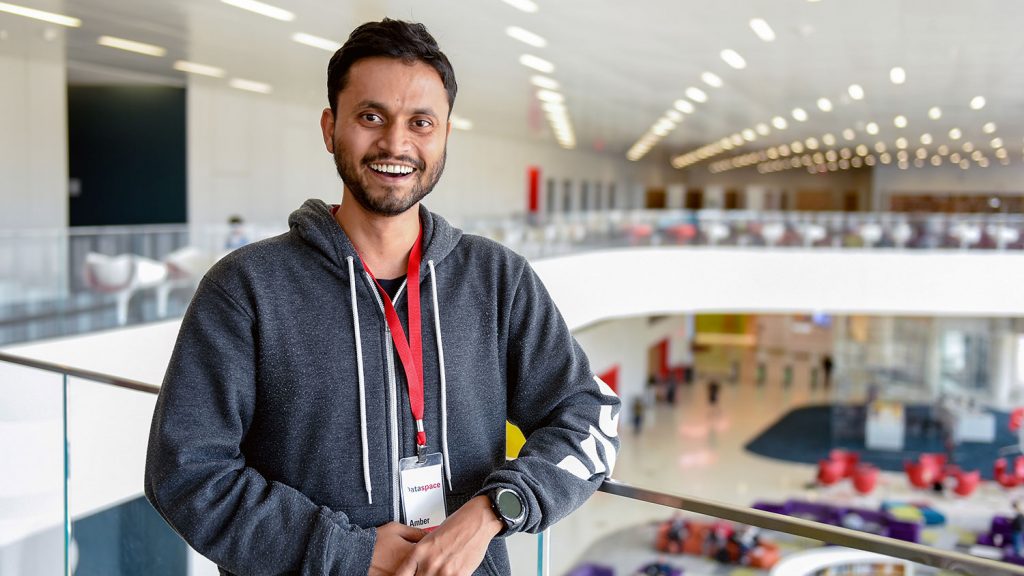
pixel 694 199
pixel 656 199
pixel 126 155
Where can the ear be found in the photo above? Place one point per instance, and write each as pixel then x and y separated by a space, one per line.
pixel 327 127
pixel 448 132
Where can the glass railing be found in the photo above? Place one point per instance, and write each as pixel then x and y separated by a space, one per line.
pixel 74 445
pixel 57 283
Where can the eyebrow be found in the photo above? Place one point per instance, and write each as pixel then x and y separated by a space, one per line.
pixel 380 106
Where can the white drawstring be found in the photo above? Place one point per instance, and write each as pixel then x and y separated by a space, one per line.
pixel 362 383
pixel 444 383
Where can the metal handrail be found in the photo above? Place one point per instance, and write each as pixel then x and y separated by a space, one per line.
pixel 942 559
pixel 80 373
pixel 918 553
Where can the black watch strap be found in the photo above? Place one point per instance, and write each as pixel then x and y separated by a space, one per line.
pixel 508 506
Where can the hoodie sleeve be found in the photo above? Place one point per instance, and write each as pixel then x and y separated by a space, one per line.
pixel 570 418
pixel 197 478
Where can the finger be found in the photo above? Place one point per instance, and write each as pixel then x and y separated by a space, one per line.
pixel 410 533
pixel 407 568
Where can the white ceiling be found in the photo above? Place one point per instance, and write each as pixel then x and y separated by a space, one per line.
pixel 621 64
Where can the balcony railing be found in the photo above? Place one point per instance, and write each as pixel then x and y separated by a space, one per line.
pixel 74 443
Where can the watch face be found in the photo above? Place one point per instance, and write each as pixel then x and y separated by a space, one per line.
pixel 509 504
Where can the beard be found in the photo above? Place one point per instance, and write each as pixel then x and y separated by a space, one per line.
pixel 389 201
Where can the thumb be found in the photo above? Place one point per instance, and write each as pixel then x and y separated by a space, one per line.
pixel 410 533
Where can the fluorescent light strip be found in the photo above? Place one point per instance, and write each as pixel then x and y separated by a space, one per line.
pixel 524 5
pixel 460 123
pixel 526 36
pixel 711 79
pixel 538 64
pixel 762 29
pixel 51 17
pixel 733 58
pixel 262 9
pixel 195 68
pixel 132 46
pixel 316 41
pixel 250 85
pixel 544 82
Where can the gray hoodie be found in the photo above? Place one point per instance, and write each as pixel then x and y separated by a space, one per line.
pixel 284 411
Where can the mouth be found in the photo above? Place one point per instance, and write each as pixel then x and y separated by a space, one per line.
pixel 392 171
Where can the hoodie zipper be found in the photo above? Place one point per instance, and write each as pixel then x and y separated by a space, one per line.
pixel 396 509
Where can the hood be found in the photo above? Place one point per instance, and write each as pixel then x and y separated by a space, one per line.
pixel 315 225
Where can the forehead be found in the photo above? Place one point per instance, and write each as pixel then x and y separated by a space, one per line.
pixel 396 84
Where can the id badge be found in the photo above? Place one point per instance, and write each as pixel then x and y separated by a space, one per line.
pixel 422 484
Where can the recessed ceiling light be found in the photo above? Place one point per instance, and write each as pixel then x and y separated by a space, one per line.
pixel 977 103
pixel 749 135
pixel 828 140
pixel 762 29
pixel 262 9
pixel 674 115
pixel 900 121
pixel 196 68
pixel 989 128
pixel 898 75
pixel 811 143
pixel 711 79
pixel 968 147
pixel 250 85
pixel 955 134
pixel 926 139
pixel 780 123
pixel 132 46
pixel 763 129
pixel 537 63
pixel 544 82
pixel 316 41
pixel 849 134
pixel 550 96
pixel 901 143
pixel 880 147
pixel 996 143
pixel 51 17
pixel 524 5
pixel 526 36
pixel 824 104
pixel 935 112
pixel 732 58
pixel 856 91
pixel 696 94
pixel 683 106
pixel 871 128
pixel 799 114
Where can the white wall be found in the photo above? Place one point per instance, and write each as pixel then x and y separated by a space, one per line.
pixel 261 156
pixel 33 126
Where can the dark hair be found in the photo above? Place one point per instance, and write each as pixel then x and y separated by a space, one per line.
pixel 405 41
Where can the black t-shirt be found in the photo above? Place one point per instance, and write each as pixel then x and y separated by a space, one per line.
pixel 1017 525
pixel 391 286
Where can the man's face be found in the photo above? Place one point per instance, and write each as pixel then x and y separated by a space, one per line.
pixel 389 134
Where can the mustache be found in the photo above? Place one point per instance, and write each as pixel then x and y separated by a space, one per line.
pixel 382 159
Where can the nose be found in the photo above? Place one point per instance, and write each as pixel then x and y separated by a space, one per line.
pixel 394 139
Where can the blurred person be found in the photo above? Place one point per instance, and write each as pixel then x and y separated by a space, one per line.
pixel 1017 529
pixel 236 233
pixel 289 438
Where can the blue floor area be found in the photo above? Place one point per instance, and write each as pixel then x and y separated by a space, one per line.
pixel 807 434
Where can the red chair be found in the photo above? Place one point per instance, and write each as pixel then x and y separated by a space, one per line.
pixel 1018 468
pixel 830 471
pixel 919 475
pixel 966 482
pixel 1005 479
pixel 849 460
pixel 865 477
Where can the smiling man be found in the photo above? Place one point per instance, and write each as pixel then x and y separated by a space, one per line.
pixel 337 398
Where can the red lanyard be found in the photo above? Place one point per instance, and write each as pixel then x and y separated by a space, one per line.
pixel 410 350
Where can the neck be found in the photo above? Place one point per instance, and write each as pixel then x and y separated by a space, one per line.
pixel 383 242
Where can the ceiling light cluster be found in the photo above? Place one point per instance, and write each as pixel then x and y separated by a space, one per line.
pixel 551 100
pixel 51 17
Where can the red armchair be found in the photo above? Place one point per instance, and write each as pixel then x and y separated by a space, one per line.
pixel 967 482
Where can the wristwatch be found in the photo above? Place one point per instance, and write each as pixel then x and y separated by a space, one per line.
pixel 508 507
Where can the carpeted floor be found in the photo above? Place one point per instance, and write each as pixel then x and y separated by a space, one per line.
pixel 807 434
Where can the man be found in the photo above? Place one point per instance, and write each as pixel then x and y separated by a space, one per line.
pixel 338 388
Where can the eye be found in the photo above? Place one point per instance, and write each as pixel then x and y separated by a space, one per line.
pixel 372 118
pixel 422 124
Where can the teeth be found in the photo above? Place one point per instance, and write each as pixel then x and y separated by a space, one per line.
pixel 392 168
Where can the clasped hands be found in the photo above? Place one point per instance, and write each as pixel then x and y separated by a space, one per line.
pixel 455 548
